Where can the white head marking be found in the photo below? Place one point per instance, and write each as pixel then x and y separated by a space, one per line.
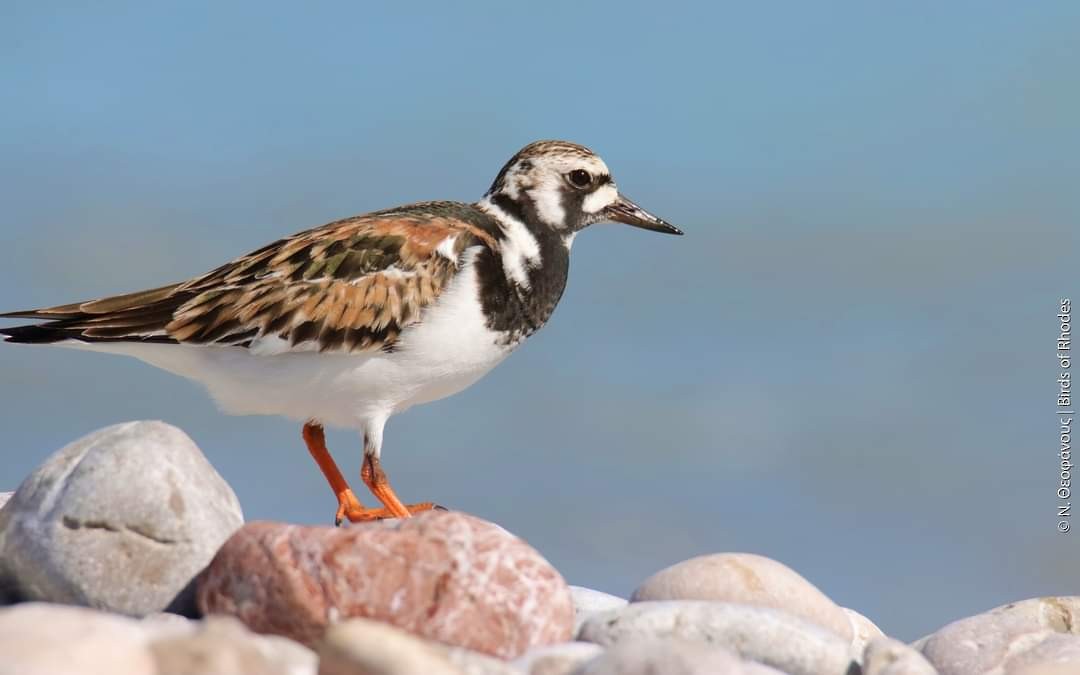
pixel 543 178
pixel 519 248
pixel 601 198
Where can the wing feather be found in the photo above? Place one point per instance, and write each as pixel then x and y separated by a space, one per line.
pixel 352 285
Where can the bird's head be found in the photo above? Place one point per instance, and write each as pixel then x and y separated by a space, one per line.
pixel 565 187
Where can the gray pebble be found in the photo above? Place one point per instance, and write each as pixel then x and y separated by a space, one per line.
pixel 886 656
pixel 121 520
pixel 769 636
pixel 669 657
pixel 983 643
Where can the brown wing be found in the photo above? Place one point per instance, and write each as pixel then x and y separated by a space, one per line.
pixel 352 285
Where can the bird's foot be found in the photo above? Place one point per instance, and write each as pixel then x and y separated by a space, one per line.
pixel 349 507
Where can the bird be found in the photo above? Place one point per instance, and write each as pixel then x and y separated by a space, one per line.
pixel 351 322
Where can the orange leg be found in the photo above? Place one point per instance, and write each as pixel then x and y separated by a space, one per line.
pixel 348 505
pixel 375 478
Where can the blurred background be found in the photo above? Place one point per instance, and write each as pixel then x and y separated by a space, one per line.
pixel 847 364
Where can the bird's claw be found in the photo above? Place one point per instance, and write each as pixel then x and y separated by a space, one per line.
pixel 350 508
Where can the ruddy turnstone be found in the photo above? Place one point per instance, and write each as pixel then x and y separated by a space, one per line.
pixel 351 322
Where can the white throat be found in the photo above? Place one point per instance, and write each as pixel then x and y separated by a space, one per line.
pixel 519 248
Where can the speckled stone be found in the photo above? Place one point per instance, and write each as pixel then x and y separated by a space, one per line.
pixel 886 656
pixel 43 639
pixel 588 602
pixel 445 576
pixel 983 642
pixel 560 659
pixel 747 579
pixel 119 520
pixel 763 634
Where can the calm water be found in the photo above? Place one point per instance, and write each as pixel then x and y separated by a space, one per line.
pixel 847 364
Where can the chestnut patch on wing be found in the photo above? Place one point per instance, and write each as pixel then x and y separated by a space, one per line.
pixel 353 285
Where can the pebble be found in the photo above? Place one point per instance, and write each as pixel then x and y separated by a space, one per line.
pixel 441 575
pixel 44 639
pixel 747 579
pixel 669 657
pixel 366 647
pixel 475 663
pixel 120 520
pixel 48 639
pixel 982 643
pixel 1047 669
pixel 588 602
pixel 163 625
pixel 8 593
pixel 755 668
pixel 560 659
pixel 863 630
pixel 769 636
pixel 1056 650
pixel 221 645
pixel 886 656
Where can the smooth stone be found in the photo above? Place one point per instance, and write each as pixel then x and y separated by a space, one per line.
pixel 588 602
pixel 8 593
pixel 163 625
pixel 670 657
pixel 560 659
pixel 221 645
pixel 755 668
pixel 441 575
pixel 1047 669
pixel 366 647
pixel 747 579
pixel 120 520
pixel 982 643
pixel 475 663
pixel 764 634
pixel 1056 650
pixel 44 639
pixel 863 630
pixel 886 656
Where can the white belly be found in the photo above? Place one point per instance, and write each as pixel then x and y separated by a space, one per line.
pixel 447 351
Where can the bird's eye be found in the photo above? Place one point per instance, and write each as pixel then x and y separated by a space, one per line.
pixel 579 178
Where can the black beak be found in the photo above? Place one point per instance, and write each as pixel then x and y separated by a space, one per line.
pixel 629 213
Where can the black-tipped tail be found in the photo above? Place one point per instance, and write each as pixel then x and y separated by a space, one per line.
pixel 135 317
pixel 37 334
